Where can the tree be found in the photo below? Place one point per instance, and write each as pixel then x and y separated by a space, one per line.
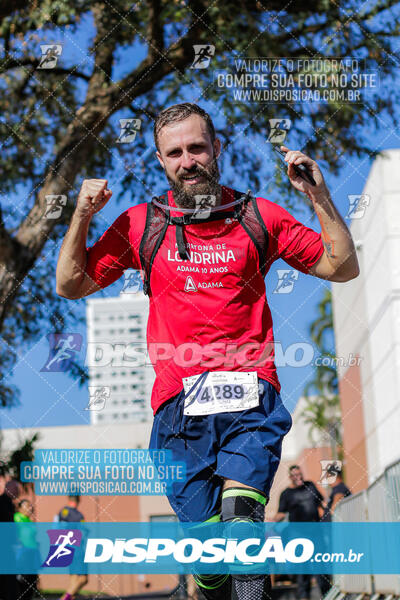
pixel 24 452
pixel 322 410
pixel 58 125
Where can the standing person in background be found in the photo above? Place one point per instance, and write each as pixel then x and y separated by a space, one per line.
pixel 12 491
pixel 29 549
pixel 71 514
pixel 302 501
pixel 338 491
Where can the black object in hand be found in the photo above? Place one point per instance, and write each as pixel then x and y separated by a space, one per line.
pixel 301 170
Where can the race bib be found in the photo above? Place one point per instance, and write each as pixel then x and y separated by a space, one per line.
pixel 219 392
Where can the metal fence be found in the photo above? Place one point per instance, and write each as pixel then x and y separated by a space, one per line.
pixel 378 503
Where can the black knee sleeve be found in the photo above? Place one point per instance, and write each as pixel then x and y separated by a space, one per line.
pixel 246 505
pixel 243 504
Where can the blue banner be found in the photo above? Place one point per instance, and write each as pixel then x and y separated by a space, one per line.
pixel 99 548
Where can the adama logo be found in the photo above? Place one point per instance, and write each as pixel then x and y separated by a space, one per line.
pixel 190 285
pixel 62 547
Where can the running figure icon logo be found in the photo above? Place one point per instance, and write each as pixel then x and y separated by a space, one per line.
pixel 357 205
pixel 55 205
pixel 133 282
pixel 62 547
pixel 203 55
pixel 129 129
pixel 98 397
pixel 63 348
pixel 286 281
pixel 329 471
pixel 278 130
pixel 50 55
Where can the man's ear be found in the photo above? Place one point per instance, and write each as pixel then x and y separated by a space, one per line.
pixel 217 147
pixel 160 160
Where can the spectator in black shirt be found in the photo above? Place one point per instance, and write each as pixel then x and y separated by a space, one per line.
pixel 338 491
pixel 301 500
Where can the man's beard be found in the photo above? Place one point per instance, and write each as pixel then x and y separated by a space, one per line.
pixel 184 195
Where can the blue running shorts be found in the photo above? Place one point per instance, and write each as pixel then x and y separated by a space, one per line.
pixel 244 446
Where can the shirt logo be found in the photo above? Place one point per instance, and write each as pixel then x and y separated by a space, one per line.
pixel 190 285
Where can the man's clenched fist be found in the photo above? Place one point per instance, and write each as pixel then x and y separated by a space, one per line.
pixel 92 197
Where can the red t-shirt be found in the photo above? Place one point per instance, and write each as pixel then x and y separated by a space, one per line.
pixel 209 313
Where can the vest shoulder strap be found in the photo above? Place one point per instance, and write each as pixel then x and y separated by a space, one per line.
pixel 154 232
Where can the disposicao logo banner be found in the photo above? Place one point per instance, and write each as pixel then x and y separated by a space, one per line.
pixel 202 548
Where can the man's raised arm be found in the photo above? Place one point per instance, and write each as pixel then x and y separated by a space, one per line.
pixel 72 282
pixel 339 261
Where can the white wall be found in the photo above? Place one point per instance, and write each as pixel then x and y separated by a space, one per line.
pixel 123 435
pixel 367 312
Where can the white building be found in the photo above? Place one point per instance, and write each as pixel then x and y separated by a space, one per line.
pixel 298 441
pixel 120 383
pixel 367 324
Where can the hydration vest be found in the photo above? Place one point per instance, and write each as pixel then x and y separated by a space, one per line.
pixel 158 219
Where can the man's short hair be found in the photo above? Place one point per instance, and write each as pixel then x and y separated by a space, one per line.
pixel 179 112
pixel 74 498
pixel 293 467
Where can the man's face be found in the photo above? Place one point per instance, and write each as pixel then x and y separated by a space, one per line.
pixel 188 157
pixel 296 477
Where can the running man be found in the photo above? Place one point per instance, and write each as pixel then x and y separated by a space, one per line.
pixel 209 317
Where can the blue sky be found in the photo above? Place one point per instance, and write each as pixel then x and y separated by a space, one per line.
pixel 56 399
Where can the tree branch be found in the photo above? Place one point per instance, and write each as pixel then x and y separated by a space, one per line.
pixel 15 63
pixel 158 64
pixel 155 30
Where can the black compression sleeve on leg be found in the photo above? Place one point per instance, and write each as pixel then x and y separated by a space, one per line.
pixel 239 505
pixel 251 587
